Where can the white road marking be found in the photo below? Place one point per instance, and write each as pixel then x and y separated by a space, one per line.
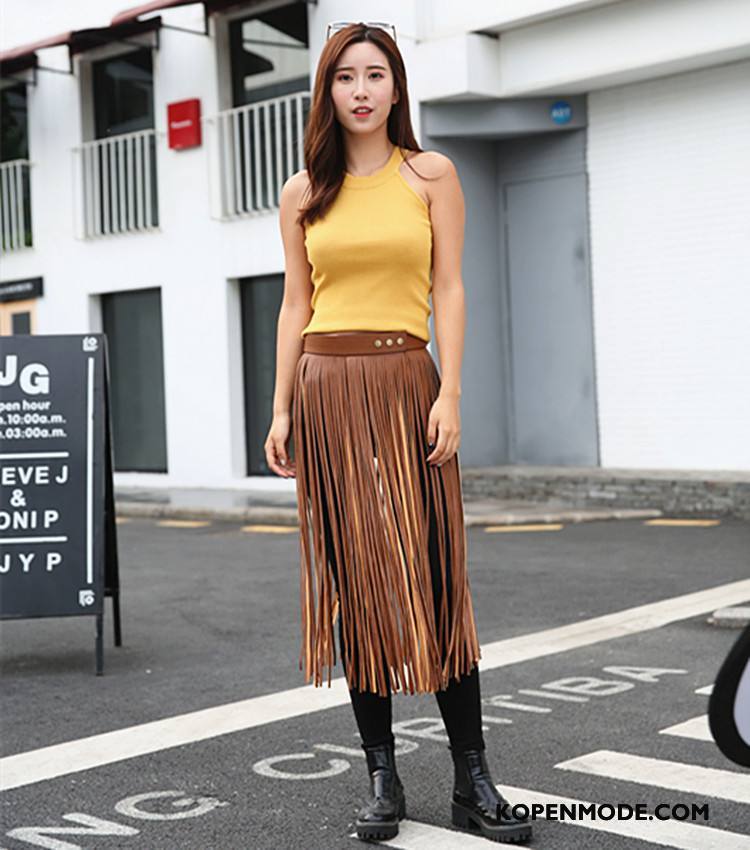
pixel 413 835
pixel 680 776
pixel 549 695
pixel 506 701
pixel 707 689
pixel 608 626
pixel 696 728
pixel 108 747
pixel 668 833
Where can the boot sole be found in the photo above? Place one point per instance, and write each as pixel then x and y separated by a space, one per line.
pixel 472 822
pixel 383 830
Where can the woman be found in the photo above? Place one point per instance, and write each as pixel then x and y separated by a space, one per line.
pixel 376 429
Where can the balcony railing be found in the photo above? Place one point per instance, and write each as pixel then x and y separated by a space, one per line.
pixel 259 147
pixel 118 180
pixel 15 205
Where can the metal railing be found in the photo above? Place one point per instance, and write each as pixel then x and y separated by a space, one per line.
pixel 118 179
pixel 15 205
pixel 260 145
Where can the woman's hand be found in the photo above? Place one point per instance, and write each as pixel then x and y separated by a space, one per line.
pixel 277 456
pixel 444 427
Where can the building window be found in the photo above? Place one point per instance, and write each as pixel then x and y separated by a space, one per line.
pixel 269 54
pixel 15 187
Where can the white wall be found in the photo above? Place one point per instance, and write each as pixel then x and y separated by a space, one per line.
pixel 669 202
pixel 443 17
pixel 555 48
pixel 621 43
pixel 192 257
pixel 670 240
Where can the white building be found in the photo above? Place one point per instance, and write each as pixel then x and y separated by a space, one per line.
pixel 603 151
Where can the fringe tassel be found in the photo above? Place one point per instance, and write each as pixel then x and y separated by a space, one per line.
pixel 360 432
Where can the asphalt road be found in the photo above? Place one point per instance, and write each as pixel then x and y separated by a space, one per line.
pixel 202 735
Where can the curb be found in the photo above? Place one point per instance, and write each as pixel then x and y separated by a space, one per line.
pixel 563 515
pixel 737 617
pixel 260 513
pixel 289 516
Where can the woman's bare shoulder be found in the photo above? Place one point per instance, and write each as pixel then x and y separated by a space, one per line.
pixel 432 168
pixel 432 164
pixel 295 187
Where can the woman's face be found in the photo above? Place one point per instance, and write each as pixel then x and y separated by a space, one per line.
pixel 362 78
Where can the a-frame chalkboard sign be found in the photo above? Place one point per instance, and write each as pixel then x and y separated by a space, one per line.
pixel 58 545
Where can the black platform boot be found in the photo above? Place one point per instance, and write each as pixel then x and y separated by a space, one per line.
pixel 477 802
pixel 379 817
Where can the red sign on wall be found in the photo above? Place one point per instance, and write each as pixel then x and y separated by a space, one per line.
pixel 184 123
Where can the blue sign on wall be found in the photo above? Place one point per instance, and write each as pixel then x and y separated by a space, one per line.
pixel 561 112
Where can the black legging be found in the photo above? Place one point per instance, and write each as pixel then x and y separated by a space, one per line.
pixel 459 703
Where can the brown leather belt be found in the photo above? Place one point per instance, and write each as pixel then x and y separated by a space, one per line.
pixel 361 342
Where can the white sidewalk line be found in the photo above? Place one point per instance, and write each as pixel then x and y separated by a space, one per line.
pixel 108 747
pixel 677 775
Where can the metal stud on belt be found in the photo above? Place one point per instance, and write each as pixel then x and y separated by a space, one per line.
pixel 379 342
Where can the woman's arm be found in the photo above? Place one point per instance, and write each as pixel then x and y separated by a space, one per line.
pixel 447 213
pixel 294 314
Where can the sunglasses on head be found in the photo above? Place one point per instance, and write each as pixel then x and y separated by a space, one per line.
pixel 335 26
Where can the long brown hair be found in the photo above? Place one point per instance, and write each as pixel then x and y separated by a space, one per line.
pixel 324 144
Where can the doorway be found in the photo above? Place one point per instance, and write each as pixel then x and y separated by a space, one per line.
pixel 542 191
pixel 17 317
pixel 133 327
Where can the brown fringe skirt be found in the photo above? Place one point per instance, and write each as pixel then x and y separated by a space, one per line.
pixel 365 491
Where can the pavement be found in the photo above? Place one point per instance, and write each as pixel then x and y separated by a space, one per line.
pixel 598 656
pixel 280 507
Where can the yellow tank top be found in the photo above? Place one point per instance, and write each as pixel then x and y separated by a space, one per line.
pixel 371 256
